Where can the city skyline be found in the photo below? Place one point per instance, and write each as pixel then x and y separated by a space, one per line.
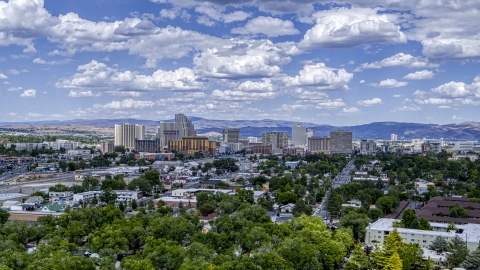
pixel 326 63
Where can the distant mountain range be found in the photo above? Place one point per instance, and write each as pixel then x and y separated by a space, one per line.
pixel 377 130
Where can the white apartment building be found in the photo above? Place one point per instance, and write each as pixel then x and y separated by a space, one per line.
pixel 377 231
pixel 252 139
pixel 393 137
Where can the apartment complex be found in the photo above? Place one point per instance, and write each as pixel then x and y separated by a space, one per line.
pixel 341 142
pixel 377 231
pixel 319 144
pixel 193 144
pixel 125 134
pixel 299 135
pixel 231 135
pixel 276 139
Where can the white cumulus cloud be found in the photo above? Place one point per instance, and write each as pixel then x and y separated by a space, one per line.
pixel 125 104
pixel 347 28
pixel 321 77
pixel 370 102
pixel 30 93
pixel 99 75
pixel 398 60
pixel 420 75
pixel 389 83
pixel 271 27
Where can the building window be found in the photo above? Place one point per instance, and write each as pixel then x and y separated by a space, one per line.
pixel 424 241
pixel 412 240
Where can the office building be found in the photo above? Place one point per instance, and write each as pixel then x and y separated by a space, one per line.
pixel 463 146
pixel 299 135
pixel 368 147
pixel 385 148
pixel 341 142
pixel 107 147
pixel 193 144
pixel 252 139
pixel 175 131
pixel 393 137
pixel 231 135
pixel 319 144
pixel 153 146
pixel 125 134
pixel 276 139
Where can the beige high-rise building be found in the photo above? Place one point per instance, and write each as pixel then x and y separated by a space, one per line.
pixel 319 144
pixel 231 135
pixel 125 134
pixel 276 139
pixel 393 137
pixel 341 142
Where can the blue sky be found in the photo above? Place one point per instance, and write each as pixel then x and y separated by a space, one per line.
pixel 338 63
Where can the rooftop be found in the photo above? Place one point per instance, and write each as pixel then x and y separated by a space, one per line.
pixel 470 230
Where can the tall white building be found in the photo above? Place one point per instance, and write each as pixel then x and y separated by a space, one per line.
pixel 252 139
pixel 299 135
pixel 393 137
pixel 125 134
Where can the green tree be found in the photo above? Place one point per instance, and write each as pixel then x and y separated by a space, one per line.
pixel 375 214
pixel 359 259
pixel 108 196
pixel 392 244
pixel 451 227
pixel 457 211
pixel 357 222
pixel 90 183
pixel 134 204
pixel 458 252
pixel 424 224
pixel 472 261
pixel 408 216
pixel 333 204
pixel 439 244
pixel 4 215
pixel 301 208
pixel 387 204
pixel 394 263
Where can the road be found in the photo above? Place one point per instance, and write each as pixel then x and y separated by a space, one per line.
pixel 32 186
pixel 342 178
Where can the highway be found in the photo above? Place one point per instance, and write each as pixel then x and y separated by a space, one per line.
pixel 32 186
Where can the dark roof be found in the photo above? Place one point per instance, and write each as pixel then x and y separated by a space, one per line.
pixel 399 210
pixel 437 210
pixel 211 182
